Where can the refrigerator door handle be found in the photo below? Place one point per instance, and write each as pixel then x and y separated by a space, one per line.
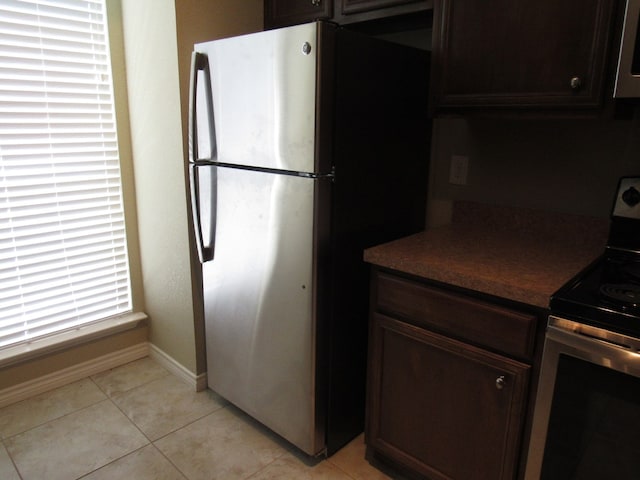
pixel 203 191
pixel 202 132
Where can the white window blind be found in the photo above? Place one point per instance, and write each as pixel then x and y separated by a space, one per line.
pixel 63 255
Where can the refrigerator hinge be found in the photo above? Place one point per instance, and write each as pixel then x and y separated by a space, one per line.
pixel 331 176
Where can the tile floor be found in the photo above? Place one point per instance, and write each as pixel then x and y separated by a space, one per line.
pixel 139 421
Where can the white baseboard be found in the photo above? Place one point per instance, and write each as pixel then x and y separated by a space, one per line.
pixel 71 374
pixel 198 382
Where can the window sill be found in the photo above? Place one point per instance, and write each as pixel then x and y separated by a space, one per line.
pixel 52 343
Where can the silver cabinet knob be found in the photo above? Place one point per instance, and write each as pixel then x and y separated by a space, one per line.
pixel 316 3
pixel 576 83
pixel 500 382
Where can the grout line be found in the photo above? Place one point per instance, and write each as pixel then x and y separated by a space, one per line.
pixel 219 407
pixel 130 420
pixel 109 398
pixel 113 461
pixel 149 442
pixel 53 419
pixel 15 466
pixel 286 448
pixel 170 461
pixel 105 400
pixel 261 469
pixel 189 423
pixel 111 395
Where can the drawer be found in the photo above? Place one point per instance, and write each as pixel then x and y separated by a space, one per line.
pixel 479 322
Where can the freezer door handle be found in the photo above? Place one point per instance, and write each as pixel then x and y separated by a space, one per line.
pixel 202 132
pixel 202 181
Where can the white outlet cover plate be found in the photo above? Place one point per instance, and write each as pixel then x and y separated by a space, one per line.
pixel 459 169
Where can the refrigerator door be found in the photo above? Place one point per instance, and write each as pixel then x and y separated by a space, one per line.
pixel 259 294
pixel 263 98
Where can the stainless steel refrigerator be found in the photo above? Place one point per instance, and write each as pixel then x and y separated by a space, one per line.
pixel 307 145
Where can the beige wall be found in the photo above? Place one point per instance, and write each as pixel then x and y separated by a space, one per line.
pixel 201 21
pixel 158 36
pixel 557 165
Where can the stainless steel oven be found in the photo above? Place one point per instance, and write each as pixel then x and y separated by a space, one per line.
pixel 586 422
pixel 628 73
pixel 587 416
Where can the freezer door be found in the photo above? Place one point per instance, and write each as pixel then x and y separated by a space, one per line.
pixel 258 294
pixel 263 98
pixel 202 133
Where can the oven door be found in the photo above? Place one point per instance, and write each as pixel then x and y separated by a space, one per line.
pixel 586 422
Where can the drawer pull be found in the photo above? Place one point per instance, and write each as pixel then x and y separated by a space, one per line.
pixel 500 382
pixel 575 83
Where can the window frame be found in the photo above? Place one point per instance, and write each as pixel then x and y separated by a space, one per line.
pixel 92 331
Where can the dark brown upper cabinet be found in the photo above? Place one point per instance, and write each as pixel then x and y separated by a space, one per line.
pixel 521 54
pixel 281 13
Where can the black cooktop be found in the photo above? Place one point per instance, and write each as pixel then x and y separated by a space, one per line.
pixel 606 294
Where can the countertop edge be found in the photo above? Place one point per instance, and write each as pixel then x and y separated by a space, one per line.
pixel 525 268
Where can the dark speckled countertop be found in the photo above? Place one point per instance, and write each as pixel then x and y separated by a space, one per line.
pixel 518 254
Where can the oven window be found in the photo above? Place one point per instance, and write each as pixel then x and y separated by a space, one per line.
pixel 594 426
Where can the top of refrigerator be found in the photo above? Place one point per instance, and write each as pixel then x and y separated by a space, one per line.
pixel 255 99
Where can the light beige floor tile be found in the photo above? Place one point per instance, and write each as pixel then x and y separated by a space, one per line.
pixel 144 464
pixel 131 375
pixel 350 459
pixel 289 467
pixel 223 445
pixel 165 405
pixel 74 445
pixel 7 470
pixel 22 416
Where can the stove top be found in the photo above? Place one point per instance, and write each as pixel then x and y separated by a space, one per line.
pixel 606 294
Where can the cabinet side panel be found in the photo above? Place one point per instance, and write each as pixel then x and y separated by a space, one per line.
pixel 380 151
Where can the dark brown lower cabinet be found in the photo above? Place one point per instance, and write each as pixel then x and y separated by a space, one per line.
pixel 439 407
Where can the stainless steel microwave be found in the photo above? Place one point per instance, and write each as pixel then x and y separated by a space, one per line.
pixel 628 74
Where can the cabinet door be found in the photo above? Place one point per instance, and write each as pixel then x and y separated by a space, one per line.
pixel 519 53
pixel 281 13
pixel 442 408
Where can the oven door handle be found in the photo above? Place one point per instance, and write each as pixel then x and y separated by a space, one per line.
pixel 618 352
